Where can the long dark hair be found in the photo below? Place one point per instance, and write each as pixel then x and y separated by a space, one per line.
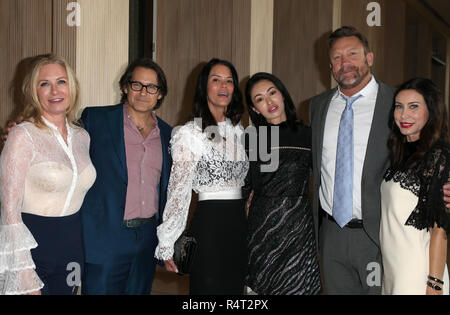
pixel 201 109
pixel 148 64
pixel 289 107
pixel 436 127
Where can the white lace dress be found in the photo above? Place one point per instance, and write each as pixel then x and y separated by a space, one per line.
pixel 39 175
pixel 202 165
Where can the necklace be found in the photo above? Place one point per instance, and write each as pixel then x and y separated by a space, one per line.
pixel 139 128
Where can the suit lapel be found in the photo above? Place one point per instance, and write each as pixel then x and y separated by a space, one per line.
pixel 115 123
pixel 325 105
pixel 379 130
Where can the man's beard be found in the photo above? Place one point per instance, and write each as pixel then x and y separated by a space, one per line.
pixel 347 83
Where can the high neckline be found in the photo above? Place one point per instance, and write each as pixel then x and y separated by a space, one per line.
pixel 283 124
pixel 221 123
pixel 412 145
pixel 409 148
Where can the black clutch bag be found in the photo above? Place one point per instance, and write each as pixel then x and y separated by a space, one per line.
pixel 184 253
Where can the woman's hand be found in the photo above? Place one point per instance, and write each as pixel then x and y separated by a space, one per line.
pixel 431 291
pixel 35 293
pixel 249 202
pixel 170 266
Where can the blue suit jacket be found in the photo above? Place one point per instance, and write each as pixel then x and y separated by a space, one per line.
pixel 103 209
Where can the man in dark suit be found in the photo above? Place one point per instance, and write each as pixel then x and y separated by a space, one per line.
pixel 350 250
pixel 129 149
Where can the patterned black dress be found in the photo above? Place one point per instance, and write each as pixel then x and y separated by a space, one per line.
pixel 282 248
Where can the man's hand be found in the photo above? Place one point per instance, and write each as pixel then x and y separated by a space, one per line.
pixel 447 195
pixel 9 126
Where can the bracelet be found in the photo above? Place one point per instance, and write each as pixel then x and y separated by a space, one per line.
pixel 434 286
pixel 435 280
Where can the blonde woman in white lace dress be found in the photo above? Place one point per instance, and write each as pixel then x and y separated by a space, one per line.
pixel 45 172
pixel 209 158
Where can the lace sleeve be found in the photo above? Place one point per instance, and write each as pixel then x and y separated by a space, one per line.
pixel 186 150
pixel 435 174
pixel 16 263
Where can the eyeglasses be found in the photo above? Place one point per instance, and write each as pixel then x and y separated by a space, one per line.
pixel 138 86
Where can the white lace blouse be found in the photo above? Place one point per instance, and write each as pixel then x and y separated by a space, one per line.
pixel 202 165
pixel 42 175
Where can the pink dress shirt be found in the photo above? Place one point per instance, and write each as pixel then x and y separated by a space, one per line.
pixel 144 165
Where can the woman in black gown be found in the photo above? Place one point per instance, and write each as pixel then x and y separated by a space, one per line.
pixel 282 248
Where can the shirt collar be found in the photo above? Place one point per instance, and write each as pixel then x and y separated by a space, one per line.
pixel 53 126
pixel 370 90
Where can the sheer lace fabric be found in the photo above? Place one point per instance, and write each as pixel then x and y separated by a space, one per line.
pixel 202 165
pixel 41 175
pixel 427 184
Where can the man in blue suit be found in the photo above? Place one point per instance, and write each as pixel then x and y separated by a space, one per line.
pixel 129 149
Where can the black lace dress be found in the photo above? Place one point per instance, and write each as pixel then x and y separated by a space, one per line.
pixel 282 249
pixel 412 203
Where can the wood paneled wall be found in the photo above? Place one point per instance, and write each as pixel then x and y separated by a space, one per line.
pixel 97 50
pixel 189 34
pixel 300 56
pixel 354 12
pixel 25 30
pixel 102 50
pixel 64 36
pixel 261 48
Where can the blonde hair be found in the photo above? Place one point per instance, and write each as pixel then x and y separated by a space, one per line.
pixel 33 109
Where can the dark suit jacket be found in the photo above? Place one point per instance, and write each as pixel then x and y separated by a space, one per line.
pixel 376 161
pixel 103 208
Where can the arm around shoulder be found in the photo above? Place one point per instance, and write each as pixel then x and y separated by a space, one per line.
pixel 431 209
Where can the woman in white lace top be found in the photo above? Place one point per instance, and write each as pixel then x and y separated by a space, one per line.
pixel 209 158
pixel 45 172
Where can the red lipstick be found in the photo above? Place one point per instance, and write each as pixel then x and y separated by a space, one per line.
pixel 406 125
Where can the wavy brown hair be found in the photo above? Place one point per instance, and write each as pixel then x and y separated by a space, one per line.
pixel 435 129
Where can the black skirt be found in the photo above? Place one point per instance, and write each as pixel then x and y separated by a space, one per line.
pixel 59 257
pixel 220 265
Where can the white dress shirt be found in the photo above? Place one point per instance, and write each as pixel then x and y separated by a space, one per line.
pixel 363 109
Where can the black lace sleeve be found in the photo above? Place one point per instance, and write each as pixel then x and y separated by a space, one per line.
pixel 434 174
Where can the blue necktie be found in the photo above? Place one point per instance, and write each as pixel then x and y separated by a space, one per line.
pixel 343 177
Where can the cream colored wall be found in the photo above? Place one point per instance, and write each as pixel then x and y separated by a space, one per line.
pixel 261 42
pixel 102 50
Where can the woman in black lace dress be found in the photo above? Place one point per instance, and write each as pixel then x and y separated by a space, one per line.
pixel 282 248
pixel 415 221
